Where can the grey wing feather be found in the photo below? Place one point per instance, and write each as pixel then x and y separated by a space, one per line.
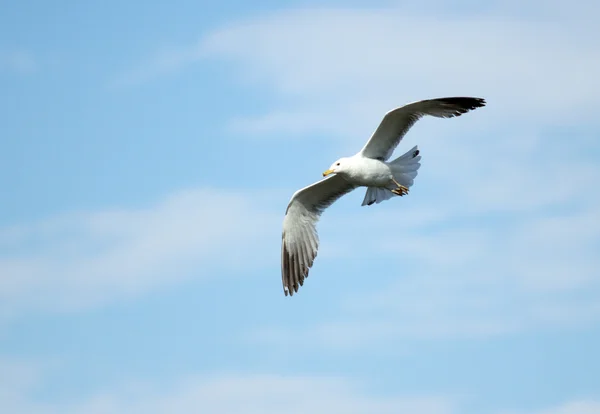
pixel 396 123
pixel 299 240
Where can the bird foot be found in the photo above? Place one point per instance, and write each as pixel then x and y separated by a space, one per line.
pixel 401 191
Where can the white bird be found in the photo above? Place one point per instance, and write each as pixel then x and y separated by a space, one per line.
pixel 368 168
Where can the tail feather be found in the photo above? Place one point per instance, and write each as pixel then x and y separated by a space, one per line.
pixel 404 168
pixel 376 195
pixel 410 155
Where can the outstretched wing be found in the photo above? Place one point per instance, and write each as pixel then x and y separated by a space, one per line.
pixel 300 240
pixel 396 123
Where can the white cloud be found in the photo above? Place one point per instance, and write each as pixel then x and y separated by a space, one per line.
pixel 263 394
pixel 537 62
pixel 17 378
pixel 355 64
pixel 81 260
pixel 231 393
pixel 573 407
pixel 219 394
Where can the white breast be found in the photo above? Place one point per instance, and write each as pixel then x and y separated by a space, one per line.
pixel 369 172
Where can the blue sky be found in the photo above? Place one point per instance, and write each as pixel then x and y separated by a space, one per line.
pixel 148 152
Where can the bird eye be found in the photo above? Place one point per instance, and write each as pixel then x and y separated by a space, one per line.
pixel 337 163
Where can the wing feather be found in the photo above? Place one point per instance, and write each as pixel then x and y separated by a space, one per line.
pixel 299 240
pixel 396 123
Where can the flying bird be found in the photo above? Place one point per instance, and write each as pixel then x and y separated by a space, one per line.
pixel 368 168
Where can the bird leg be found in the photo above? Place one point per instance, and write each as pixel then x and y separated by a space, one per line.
pixel 401 190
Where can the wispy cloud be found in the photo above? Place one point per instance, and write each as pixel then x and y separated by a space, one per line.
pixel 219 394
pixel 81 260
pixel 18 378
pixel 237 392
pixel 362 60
pixel 584 406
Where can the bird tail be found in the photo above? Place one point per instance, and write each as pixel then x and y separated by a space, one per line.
pixel 404 169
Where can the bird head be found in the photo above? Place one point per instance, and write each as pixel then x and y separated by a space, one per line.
pixel 336 167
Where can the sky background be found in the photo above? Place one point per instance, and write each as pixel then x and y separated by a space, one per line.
pixel 148 151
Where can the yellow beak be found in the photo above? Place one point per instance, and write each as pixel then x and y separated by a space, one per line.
pixel 326 173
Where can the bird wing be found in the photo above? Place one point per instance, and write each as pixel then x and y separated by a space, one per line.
pixel 300 240
pixel 396 123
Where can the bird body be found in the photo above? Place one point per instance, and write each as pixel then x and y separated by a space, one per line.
pixel 366 171
pixel 368 168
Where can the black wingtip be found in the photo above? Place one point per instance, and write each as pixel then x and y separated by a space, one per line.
pixel 465 102
pixel 477 102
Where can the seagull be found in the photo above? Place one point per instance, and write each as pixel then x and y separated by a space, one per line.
pixel 368 168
